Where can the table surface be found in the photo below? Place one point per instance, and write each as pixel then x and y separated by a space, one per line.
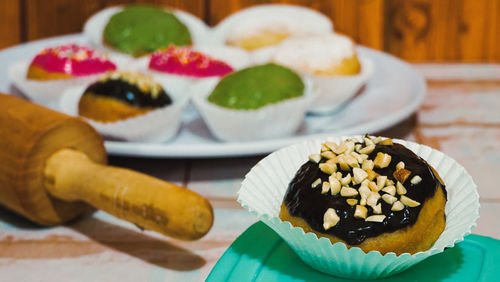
pixel 460 116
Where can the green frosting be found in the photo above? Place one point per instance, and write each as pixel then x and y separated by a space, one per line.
pixel 257 86
pixel 139 30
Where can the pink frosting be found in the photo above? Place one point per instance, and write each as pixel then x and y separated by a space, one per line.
pixel 73 60
pixel 185 61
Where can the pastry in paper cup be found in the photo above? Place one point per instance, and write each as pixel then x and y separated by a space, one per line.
pixel 334 91
pixel 331 60
pixel 95 25
pixel 264 187
pixel 157 125
pixel 56 68
pixel 187 64
pixel 263 26
pixel 275 119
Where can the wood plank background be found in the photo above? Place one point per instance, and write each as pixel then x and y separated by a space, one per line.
pixel 415 30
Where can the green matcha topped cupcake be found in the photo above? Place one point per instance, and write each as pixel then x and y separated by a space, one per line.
pixel 259 102
pixel 257 86
pixel 140 30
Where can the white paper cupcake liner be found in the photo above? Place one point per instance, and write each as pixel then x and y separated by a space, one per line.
pixel 94 27
pixel 264 187
pixel 156 126
pixel 333 91
pixel 276 120
pixel 48 92
pixel 310 20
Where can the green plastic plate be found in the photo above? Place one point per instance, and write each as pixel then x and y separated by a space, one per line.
pixel 259 254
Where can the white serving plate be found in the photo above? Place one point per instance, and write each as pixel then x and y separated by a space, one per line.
pixel 392 94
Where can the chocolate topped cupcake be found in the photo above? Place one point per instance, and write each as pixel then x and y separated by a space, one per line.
pixel 374 194
pixel 122 95
pixel 324 221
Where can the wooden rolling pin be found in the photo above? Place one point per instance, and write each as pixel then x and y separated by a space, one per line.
pixel 53 168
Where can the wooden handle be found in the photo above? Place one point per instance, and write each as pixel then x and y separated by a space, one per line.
pixel 144 200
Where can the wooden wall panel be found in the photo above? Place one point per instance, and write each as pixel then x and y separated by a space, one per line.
pixel 362 20
pixel 443 31
pixel 10 22
pixel 415 30
pixel 480 39
pixel 56 17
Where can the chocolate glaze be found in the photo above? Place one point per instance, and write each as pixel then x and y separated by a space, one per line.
pixel 303 201
pixel 128 93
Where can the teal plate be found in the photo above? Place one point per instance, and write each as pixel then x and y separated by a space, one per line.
pixel 259 254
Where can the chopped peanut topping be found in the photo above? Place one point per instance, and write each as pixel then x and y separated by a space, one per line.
pixel 330 219
pixel 367 150
pixel 367 165
pixel 400 188
pixel 315 158
pixel 328 155
pixel 334 185
pixel 376 218
pixel 340 149
pixel 364 191
pixel 397 206
pixel 377 209
pixel 409 202
pixel 316 183
pixel 415 180
pixel 328 168
pixel 382 160
pixel 348 191
pixel 324 148
pixel 371 174
pixel 373 186
pixel 389 199
pixel 351 161
pixel 343 163
pixel 400 165
pixel 387 142
pixel 346 180
pixel 359 175
pixel 381 180
pixel 390 189
pixel 352 202
pixel 401 175
pixel 360 212
pixel 325 187
pixel 331 145
pixel 373 199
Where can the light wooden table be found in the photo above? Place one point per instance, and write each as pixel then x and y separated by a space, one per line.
pixel 460 116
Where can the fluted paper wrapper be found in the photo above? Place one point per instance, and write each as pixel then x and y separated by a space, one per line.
pixel 275 120
pixel 44 92
pixel 333 90
pixel 156 126
pixel 48 92
pixel 265 185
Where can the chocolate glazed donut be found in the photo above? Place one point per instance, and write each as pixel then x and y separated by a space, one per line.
pixel 407 209
pixel 124 96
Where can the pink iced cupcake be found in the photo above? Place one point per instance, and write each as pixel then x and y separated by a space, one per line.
pixel 68 61
pixel 185 61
